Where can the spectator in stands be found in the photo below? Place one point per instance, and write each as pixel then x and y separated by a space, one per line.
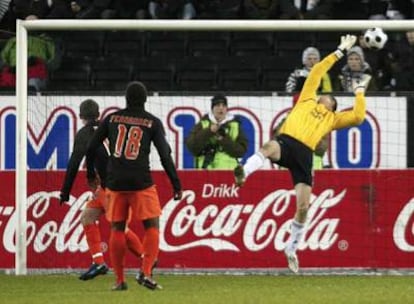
pixel 171 9
pixel 42 56
pixel 405 63
pixel 217 9
pixel 91 9
pixel 218 140
pixel 126 9
pixel 351 9
pixel 7 18
pixel 390 9
pixel 258 9
pixel 356 68
pixel 42 9
pixel 312 9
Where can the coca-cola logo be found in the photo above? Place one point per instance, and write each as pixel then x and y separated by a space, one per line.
pixel 403 233
pixel 187 224
pixel 213 227
pixel 64 235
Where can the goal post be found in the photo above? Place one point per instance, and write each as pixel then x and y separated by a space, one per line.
pixel 23 27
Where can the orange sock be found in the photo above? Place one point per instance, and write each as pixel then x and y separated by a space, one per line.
pixel 151 249
pixel 117 249
pixel 133 243
pixel 93 238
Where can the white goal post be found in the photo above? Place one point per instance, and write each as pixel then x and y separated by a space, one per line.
pixel 23 27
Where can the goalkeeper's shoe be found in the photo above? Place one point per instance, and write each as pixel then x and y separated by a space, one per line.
pixel 93 271
pixel 293 262
pixel 147 281
pixel 120 286
pixel 239 175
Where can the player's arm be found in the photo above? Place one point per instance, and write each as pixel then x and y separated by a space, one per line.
pixel 164 151
pixel 96 140
pixel 313 80
pixel 79 149
pixel 352 117
pixel 357 115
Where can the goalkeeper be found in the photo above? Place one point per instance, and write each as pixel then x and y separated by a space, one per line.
pixel 310 120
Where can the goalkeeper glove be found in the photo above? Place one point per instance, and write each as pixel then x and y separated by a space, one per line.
pixel 360 85
pixel 347 42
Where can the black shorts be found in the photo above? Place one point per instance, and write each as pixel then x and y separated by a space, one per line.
pixel 297 157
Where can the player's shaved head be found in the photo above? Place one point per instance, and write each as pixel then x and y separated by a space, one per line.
pixel 136 94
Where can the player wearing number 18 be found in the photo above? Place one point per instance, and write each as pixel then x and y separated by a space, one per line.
pixel 130 132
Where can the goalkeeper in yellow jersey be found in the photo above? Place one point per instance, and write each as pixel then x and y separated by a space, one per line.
pixel 310 120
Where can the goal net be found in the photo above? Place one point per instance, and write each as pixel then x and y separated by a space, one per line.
pixel 216 226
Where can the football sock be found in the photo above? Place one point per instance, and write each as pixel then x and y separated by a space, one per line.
pixel 117 250
pixel 253 163
pixel 297 230
pixel 133 243
pixel 151 248
pixel 93 238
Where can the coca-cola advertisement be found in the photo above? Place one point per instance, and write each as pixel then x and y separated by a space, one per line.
pixel 357 219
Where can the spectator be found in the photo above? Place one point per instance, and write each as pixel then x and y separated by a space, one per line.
pixel 42 56
pixel 218 9
pixel 218 140
pixel 257 9
pixel 405 63
pixel 351 9
pixel 126 9
pixel 42 9
pixel 171 9
pixel 306 9
pixel 91 9
pixel 354 70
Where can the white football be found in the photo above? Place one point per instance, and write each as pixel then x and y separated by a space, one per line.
pixel 375 38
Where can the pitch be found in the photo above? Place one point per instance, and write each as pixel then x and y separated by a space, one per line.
pixel 216 289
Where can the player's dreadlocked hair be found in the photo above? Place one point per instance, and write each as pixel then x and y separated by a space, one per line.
pixel 89 109
pixel 136 94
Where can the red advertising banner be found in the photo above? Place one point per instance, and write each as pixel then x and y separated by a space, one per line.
pixel 356 219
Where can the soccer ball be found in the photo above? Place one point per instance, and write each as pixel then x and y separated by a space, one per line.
pixel 375 38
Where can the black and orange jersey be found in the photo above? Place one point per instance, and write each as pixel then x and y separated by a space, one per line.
pixel 130 133
pixel 80 146
pixel 309 121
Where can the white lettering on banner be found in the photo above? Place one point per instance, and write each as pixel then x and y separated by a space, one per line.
pixel 67 235
pixel 257 232
pixel 402 229
pixel 209 190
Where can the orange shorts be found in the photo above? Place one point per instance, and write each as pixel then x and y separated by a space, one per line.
pixel 100 201
pixel 144 204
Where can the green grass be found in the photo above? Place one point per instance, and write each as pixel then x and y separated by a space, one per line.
pixel 228 289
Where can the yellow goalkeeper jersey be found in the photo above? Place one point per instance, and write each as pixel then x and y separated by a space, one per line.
pixel 309 121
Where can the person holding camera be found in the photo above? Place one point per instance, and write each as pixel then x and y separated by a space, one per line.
pixel 217 141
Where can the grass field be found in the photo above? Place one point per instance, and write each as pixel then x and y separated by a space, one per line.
pixel 183 289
